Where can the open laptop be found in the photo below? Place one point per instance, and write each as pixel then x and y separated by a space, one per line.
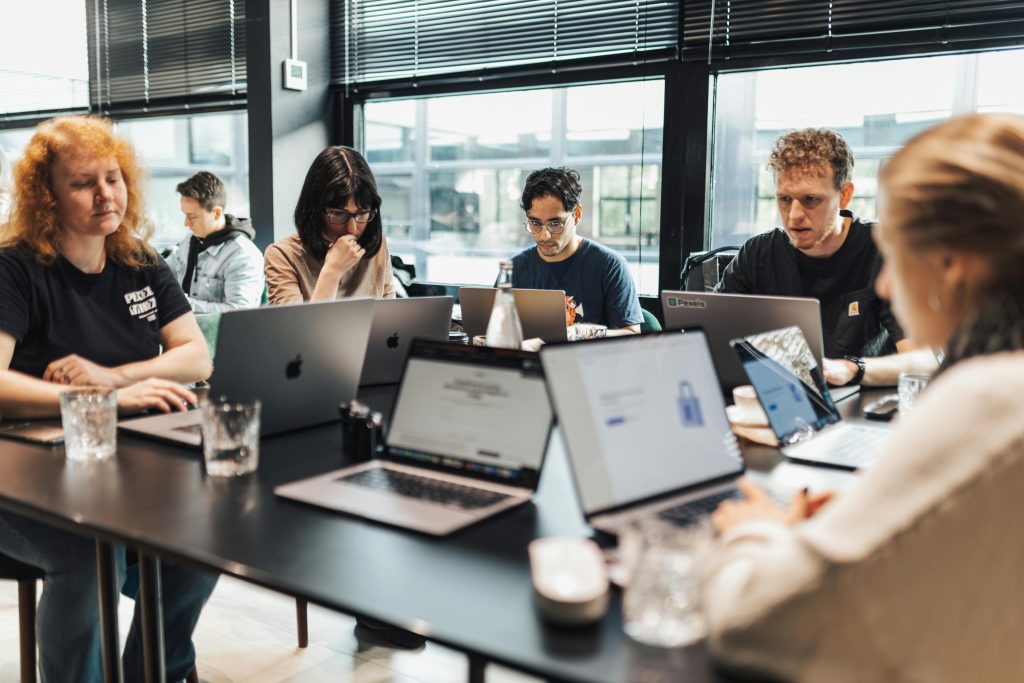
pixel 300 360
pixel 644 425
pixel 467 438
pixel 541 312
pixel 396 322
pixel 791 388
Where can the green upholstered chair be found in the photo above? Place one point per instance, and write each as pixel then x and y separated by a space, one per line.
pixel 650 323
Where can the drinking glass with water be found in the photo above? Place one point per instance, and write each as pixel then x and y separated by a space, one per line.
pixel 663 603
pixel 89 418
pixel 231 437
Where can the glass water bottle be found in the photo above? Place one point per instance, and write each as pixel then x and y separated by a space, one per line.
pixel 503 329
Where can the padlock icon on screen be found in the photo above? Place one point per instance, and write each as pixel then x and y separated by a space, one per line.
pixel 689 406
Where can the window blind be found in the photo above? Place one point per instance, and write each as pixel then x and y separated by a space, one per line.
pixel 145 54
pixel 381 40
pixel 825 30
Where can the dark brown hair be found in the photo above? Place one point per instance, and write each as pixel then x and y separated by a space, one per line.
pixel 207 189
pixel 337 175
pixel 560 183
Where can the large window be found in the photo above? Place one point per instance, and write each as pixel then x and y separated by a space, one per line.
pixel 172 149
pixel 43 63
pixel 876 106
pixel 451 172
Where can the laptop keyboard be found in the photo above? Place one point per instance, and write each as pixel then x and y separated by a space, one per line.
pixel 858 446
pixel 424 488
pixel 689 514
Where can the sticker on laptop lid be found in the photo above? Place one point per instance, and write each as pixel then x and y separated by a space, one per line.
pixel 678 302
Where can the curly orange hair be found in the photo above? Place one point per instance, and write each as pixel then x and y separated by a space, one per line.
pixel 33 224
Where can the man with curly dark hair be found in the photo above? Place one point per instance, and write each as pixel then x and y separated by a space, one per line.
pixel 824 251
pixel 597 283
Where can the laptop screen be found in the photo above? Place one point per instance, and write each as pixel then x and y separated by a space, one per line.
pixel 480 412
pixel 641 416
pixel 788 382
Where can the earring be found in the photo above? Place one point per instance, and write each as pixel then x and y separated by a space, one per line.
pixel 934 302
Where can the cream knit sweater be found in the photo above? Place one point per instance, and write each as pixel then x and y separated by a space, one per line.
pixel 915 572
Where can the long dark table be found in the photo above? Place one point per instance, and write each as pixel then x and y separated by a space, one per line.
pixel 470 592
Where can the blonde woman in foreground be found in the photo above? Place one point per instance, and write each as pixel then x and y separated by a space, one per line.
pixel 913 573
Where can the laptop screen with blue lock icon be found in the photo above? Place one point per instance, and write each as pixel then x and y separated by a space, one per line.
pixel 641 416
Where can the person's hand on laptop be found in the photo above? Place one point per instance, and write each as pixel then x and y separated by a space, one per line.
pixel 154 394
pixel 839 372
pixel 74 369
pixel 756 505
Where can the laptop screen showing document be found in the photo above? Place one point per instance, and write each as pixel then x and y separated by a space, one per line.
pixel 641 416
pixel 476 411
pixel 788 381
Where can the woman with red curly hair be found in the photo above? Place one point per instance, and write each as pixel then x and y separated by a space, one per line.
pixel 84 300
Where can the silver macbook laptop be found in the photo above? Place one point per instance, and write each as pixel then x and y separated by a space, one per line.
pixel 396 322
pixel 791 388
pixel 467 438
pixel 644 425
pixel 728 316
pixel 299 360
pixel 541 312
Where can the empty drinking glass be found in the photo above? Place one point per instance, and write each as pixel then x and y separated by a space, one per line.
pixel 231 437
pixel 910 386
pixel 663 601
pixel 89 418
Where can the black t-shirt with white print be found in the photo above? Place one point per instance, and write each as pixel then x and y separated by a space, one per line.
pixel 110 318
pixel 854 320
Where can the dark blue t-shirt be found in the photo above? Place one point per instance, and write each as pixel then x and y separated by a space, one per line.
pixel 595 277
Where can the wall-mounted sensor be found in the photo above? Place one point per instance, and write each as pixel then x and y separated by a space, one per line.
pixel 293 74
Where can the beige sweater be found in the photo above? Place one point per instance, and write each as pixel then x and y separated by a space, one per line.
pixel 292 273
pixel 914 573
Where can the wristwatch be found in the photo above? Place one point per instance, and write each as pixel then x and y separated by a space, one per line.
pixel 861 367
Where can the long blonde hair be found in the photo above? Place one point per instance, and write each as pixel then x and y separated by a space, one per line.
pixel 33 224
pixel 960 186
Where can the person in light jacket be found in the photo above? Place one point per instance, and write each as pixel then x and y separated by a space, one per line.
pixel 218 265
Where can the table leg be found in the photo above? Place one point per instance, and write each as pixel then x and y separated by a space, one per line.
pixel 152 617
pixel 106 575
pixel 477 667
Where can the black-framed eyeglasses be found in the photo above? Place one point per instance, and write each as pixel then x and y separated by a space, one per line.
pixel 340 216
pixel 555 226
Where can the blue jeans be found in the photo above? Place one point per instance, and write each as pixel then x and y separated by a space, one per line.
pixel 67 625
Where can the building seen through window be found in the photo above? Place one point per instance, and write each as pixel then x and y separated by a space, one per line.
pixel 451 171
pixel 876 106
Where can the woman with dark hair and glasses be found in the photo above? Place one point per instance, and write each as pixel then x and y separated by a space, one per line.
pixel 340 250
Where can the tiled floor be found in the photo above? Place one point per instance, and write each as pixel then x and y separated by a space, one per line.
pixel 248 634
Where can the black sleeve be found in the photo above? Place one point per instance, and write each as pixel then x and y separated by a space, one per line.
pixel 885 317
pixel 170 299
pixel 15 295
pixel 738 277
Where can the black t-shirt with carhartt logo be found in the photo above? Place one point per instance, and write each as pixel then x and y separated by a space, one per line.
pixel 854 320
pixel 110 318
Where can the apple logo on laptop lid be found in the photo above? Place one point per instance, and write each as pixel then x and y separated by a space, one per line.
pixel 392 341
pixel 294 367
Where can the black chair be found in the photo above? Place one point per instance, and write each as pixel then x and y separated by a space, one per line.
pixel 26 576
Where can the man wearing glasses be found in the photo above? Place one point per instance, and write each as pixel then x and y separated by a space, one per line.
pixel 218 266
pixel 597 284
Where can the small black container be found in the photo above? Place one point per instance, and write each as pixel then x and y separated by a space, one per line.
pixel 361 431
